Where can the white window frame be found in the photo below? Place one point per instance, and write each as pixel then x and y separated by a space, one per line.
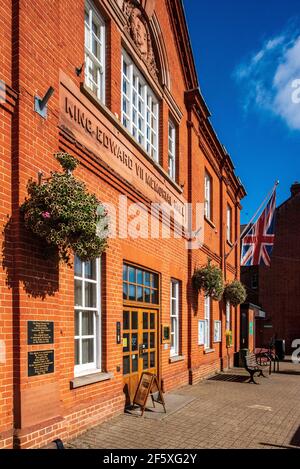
pixel 217 331
pixel 229 224
pixel 90 57
pixel 207 196
pixel 95 366
pixel 201 333
pixel 174 315
pixel 142 108
pixel 228 316
pixel 207 322
pixel 172 150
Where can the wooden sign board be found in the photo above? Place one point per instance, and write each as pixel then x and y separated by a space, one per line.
pixel 166 334
pixel 148 386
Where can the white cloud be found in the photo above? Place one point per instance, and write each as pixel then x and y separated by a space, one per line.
pixel 269 78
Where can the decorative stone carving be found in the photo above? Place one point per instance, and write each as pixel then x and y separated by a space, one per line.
pixel 138 28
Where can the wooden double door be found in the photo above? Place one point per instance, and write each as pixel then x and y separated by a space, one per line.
pixel 139 346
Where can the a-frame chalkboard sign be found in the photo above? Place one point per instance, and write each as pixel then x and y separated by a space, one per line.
pixel 148 386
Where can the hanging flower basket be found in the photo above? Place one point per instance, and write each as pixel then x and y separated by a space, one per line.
pixel 61 211
pixel 209 279
pixel 235 293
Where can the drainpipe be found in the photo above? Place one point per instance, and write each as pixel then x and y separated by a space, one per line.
pixel 189 251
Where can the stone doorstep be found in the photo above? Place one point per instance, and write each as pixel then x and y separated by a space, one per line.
pixel 173 403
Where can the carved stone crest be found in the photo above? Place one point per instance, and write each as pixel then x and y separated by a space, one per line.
pixel 138 29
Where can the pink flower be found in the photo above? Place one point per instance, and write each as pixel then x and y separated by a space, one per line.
pixel 46 215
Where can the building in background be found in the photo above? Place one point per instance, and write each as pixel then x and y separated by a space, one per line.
pixel 127 105
pixel 275 289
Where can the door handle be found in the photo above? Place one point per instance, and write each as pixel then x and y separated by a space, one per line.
pixel 141 350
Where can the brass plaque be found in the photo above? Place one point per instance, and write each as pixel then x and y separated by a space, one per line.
pixel 40 362
pixel 40 332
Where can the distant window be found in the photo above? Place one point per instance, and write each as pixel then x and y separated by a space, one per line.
pixel 94 27
pixel 172 150
pixel 254 281
pixel 228 316
pixel 207 321
pixel 229 223
pixel 140 109
pixel 174 317
pixel 217 331
pixel 207 196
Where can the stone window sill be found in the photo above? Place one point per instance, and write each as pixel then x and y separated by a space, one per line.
pixel 80 381
pixel 209 350
pixel 177 358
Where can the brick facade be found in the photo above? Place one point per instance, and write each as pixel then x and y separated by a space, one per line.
pixel 46 48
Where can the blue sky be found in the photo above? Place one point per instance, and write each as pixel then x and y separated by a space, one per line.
pixel 247 56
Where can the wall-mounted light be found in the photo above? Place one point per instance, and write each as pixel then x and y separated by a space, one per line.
pixel 78 70
pixel 40 104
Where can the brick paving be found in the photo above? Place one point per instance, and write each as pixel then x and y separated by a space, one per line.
pixel 226 412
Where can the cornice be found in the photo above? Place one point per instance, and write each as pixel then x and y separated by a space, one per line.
pixel 182 38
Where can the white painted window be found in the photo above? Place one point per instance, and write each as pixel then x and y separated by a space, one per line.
pixel 229 223
pixel 207 196
pixel 201 334
pixel 87 316
pixel 172 150
pixel 207 322
pixel 174 307
pixel 140 108
pixel 94 27
pixel 217 331
pixel 228 316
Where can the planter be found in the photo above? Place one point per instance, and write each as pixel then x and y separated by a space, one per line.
pixel 235 293
pixel 209 279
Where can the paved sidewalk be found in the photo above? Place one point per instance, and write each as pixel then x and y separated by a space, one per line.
pixel 226 412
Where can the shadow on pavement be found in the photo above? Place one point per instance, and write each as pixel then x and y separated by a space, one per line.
pixel 272 445
pixel 228 377
pixel 288 372
pixel 295 441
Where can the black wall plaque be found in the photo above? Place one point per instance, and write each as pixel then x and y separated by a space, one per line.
pixel 40 332
pixel 40 362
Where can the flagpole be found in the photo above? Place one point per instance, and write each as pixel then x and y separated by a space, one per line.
pixel 257 211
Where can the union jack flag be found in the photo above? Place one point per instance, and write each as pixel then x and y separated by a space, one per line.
pixel 258 242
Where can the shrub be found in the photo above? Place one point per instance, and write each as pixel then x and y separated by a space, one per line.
pixel 209 279
pixel 235 293
pixel 61 211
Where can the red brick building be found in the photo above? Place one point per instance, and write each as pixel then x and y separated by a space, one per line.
pixel 275 288
pixel 135 119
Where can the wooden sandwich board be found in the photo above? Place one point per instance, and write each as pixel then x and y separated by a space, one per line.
pixel 148 386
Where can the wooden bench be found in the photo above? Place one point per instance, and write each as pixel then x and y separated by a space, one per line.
pixel 252 367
